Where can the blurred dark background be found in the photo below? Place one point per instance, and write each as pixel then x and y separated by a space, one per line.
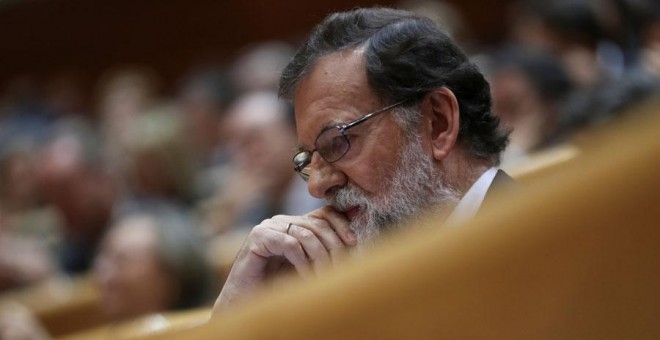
pixel 46 37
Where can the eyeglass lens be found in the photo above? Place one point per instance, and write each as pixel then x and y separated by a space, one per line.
pixel 331 144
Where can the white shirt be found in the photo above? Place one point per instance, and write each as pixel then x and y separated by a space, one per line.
pixel 469 205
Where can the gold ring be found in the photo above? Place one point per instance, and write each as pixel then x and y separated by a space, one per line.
pixel 288 227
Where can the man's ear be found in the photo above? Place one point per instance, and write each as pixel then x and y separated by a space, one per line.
pixel 443 112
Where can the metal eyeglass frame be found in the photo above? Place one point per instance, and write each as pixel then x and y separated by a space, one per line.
pixel 304 157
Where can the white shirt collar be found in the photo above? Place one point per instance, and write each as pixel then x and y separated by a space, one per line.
pixel 469 205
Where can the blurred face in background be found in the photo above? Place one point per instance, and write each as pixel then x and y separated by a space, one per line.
pixel 261 138
pixel 201 116
pixel 514 97
pixel 81 193
pixel 131 275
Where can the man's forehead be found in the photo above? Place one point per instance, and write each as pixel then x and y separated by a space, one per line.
pixel 340 72
pixel 336 84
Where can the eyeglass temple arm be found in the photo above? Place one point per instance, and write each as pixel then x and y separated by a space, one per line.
pixel 369 115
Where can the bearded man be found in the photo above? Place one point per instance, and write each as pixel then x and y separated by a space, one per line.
pixel 392 121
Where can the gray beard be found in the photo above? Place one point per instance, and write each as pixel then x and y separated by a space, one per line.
pixel 415 187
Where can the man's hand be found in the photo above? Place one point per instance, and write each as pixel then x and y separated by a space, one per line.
pixel 307 243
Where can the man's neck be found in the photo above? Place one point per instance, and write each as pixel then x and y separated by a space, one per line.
pixel 461 171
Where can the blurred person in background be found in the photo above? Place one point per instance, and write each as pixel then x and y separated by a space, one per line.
pixel 625 23
pixel 32 230
pixel 202 102
pixel 24 117
pixel 159 165
pixel 529 90
pixel 75 184
pixel 151 261
pixel 571 30
pixel 587 110
pixel 603 46
pixel 122 95
pixel 636 23
pixel 29 230
pixel 648 65
pixel 261 134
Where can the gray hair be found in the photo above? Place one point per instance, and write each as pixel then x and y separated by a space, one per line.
pixel 407 56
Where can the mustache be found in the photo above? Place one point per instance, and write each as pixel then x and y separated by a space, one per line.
pixel 347 197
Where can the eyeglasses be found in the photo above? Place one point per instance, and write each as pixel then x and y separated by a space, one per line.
pixel 332 143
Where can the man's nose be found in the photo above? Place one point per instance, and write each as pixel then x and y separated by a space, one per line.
pixel 324 178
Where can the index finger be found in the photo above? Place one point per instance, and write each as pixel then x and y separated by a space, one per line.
pixel 337 221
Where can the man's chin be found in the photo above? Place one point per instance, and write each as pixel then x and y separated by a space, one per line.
pixel 366 231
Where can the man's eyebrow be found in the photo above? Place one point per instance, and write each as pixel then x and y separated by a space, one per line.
pixel 300 148
pixel 328 126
